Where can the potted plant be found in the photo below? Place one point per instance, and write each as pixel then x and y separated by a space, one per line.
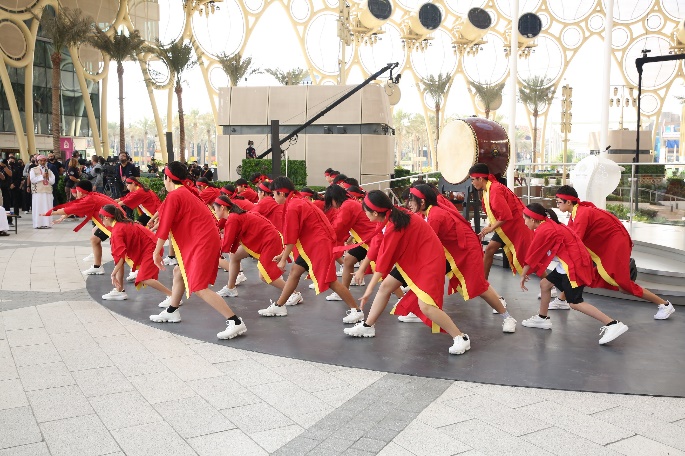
pixel 546 181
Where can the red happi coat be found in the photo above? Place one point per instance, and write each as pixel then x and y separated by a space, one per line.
pixel 419 257
pixel 258 236
pixel 500 204
pixel 309 230
pixel 243 203
pixel 271 210
pixel 250 195
pixel 190 226
pixel 352 220
pixel 209 194
pixel 88 206
pixel 609 245
pixel 146 201
pixel 553 239
pixel 135 244
pixel 330 214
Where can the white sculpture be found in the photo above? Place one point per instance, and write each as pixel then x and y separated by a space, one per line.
pixel 594 178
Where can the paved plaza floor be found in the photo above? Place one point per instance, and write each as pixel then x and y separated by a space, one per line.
pixel 77 378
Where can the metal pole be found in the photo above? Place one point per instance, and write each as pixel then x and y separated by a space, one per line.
pixel 513 86
pixel 169 146
pixel 276 148
pixel 606 77
pixel 636 159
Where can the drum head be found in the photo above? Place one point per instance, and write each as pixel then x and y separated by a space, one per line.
pixel 457 151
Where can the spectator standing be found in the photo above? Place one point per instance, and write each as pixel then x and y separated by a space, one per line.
pixel 96 175
pixel 15 184
pixel 72 176
pixel 5 182
pixel 250 152
pixel 207 173
pixel 57 169
pixel 41 179
pixel 26 190
pixel 125 169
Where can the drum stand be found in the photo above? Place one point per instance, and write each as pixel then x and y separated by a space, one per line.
pixel 473 201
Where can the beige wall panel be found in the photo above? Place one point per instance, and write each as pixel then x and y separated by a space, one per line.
pixel 238 144
pixel 222 156
pixel 288 104
pixel 224 108
pixel 249 105
pixel 319 97
pixel 341 152
pixel 375 105
pixel 295 151
pixel 374 178
pixel 377 154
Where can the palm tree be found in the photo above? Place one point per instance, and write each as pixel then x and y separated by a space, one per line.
pixel 488 94
pixel 119 47
pixel 537 93
pixel 178 56
pixel 67 28
pixel 236 67
pixel 436 87
pixel 291 77
pixel 400 122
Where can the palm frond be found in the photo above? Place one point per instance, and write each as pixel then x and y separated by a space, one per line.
pixel 436 86
pixel 119 47
pixel 291 77
pixel 178 56
pixel 69 27
pixel 236 67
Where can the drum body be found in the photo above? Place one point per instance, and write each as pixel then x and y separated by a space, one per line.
pixel 465 142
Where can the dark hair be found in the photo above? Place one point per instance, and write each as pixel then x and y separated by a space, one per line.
pixel 397 217
pixel 86 185
pixel 355 189
pixel 117 214
pixel 230 188
pixel 233 208
pixel 206 181
pixel 256 177
pixel 334 193
pixel 328 170
pixel 567 190
pixel 315 195
pixel 179 170
pixel 431 198
pixel 339 178
pixel 479 168
pixel 138 183
pixel 541 210
pixel 352 181
pixel 282 182
pixel 241 181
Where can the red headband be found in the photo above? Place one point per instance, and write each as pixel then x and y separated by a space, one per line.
pixel 282 190
pixel 355 194
pixel 169 174
pixel 227 192
pixel 73 190
pixel 264 188
pixel 79 189
pixel 533 215
pixel 221 202
pixel 104 213
pixel 345 185
pixel 327 174
pixel 417 193
pixel 202 184
pixel 567 197
pixel 307 194
pixel 479 175
pixel 373 207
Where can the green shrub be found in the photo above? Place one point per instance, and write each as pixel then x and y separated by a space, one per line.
pixel 622 211
pixel 61 197
pixel 401 172
pixel 649 168
pixel 297 169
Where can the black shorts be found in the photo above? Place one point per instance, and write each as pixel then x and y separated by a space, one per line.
pixel 101 234
pixel 300 262
pixel 396 274
pixel 143 219
pixel 495 237
pixel 561 281
pixel 358 252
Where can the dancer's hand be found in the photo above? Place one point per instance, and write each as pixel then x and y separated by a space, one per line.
pixel 115 281
pixel 157 259
pixel 365 298
pixel 524 279
pixel 483 232
pixel 358 277
pixel 60 220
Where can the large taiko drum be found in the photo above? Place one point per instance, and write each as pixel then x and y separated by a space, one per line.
pixel 465 142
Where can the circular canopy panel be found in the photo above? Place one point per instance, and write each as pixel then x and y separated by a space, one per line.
pixel 649 103
pixel 254 6
pixel 12 41
pixel 654 75
pixel 438 58
pixel 171 20
pixel 674 8
pixel 218 78
pixel 91 59
pixel 158 72
pixel 17 5
pixel 571 10
pixel 387 49
pixel 525 6
pixel 654 22
pixel 300 10
pixel 619 37
pixel 572 37
pixel 322 43
pixel 490 65
pixel 222 31
pixel 462 7
pixel 546 60
pixel 630 10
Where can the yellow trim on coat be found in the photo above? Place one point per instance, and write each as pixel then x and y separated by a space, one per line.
pixel 509 248
pixel 422 295
pixel 179 258
pixel 306 259
pixel 260 267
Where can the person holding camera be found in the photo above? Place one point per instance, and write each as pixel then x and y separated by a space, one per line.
pixel 96 175
pixel 72 176
pixel 57 169
pixel 125 169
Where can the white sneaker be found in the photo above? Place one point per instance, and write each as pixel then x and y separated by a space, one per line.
pixel 228 292
pixel 665 311
pixel 132 276
pixel 504 303
pixel 170 261
pixel 355 284
pixel 311 286
pixel 94 271
pixel 359 330
pixel 554 293
pixel 166 317
pixel 558 304
pixel 461 344
pixel 115 295
pixel 89 258
pixel 509 325
pixel 273 311
pixel 240 279
pixel 537 322
pixel 611 332
pixel 406 289
pixel 166 303
pixel 333 297
pixel 232 330
pixel 339 272
pixel 354 316
pixel 294 299
pixel 409 318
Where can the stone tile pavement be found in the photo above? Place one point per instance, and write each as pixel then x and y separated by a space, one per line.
pixel 77 379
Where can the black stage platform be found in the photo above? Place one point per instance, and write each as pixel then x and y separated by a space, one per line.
pixel 648 359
